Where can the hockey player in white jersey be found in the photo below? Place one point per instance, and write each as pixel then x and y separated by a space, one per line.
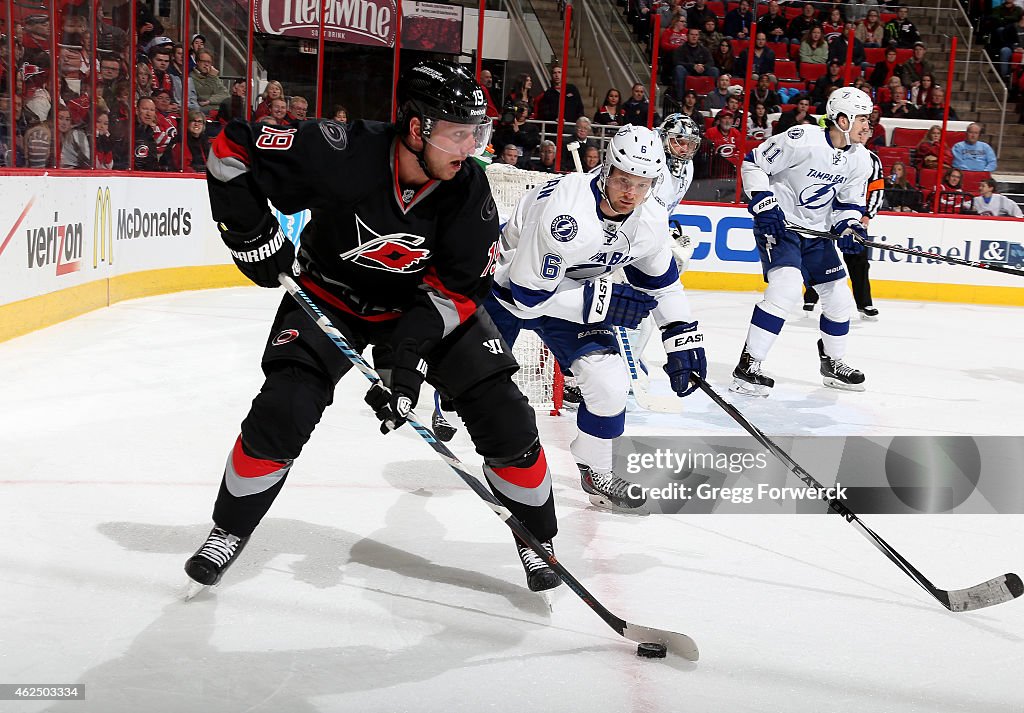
pixel 816 178
pixel 558 251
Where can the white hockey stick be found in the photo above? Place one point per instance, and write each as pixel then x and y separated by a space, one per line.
pixel 574 150
pixel 644 398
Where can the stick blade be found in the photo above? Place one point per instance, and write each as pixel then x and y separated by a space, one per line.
pixel 995 591
pixel 656 403
pixel 678 644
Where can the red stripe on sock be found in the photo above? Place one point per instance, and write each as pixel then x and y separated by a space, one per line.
pixel 529 477
pixel 248 467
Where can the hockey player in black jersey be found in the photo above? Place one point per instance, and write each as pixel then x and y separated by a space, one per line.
pixel 399 252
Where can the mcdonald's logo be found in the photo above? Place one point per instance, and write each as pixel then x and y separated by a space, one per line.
pixel 103 229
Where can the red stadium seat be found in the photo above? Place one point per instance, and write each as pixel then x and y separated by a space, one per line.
pixel 811 72
pixel 784 69
pixel 874 54
pixel 791 11
pixel 701 85
pixel 781 50
pixel 972 179
pixel 903 54
pixel 737 82
pixel 954 137
pixel 786 107
pixel 902 136
pixel 738 46
pixel 717 7
pixel 709 121
pixel 886 17
pixel 889 155
pixel 926 178
pixel 912 175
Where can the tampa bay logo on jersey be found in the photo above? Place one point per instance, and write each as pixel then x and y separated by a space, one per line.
pixel 820 195
pixel 564 228
pixel 395 252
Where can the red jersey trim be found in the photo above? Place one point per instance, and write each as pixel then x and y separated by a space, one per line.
pixel 530 477
pixel 246 466
pixel 339 305
pixel 464 306
pixel 223 147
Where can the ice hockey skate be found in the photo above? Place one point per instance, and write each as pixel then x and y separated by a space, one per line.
pixel 212 560
pixel 748 379
pixel 838 375
pixel 868 314
pixel 608 491
pixel 539 577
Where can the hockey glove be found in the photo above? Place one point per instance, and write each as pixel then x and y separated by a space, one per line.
pixel 392 406
pixel 684 345
pixel 615 303
pixel 850 233
pixel 769 220
pixel 263 253
pixel 682 247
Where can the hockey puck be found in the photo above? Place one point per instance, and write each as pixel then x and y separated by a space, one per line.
pixel 651 651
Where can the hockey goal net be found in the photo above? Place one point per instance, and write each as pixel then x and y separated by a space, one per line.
pixel 539 377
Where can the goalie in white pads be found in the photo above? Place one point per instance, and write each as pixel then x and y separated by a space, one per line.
pixel 817 178
pixel 553 277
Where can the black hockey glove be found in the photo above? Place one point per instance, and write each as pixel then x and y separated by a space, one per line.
pixel 263 253
pixel 684 345
pixel 615 303
pixel 392 406
pixel 850 232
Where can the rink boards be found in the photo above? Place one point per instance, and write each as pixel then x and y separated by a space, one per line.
pixel 74 243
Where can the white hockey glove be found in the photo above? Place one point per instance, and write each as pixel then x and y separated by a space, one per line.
pixel 682 247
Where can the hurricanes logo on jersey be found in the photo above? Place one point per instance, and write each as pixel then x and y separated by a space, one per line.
pixel 395 252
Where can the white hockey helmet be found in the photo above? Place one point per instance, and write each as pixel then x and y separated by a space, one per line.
pixel 635 150
pixel 680 131
pixel 849 102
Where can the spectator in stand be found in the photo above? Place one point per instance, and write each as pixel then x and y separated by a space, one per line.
pixel 72 144
pixel 513 129
pixel 177 67
pixel 711 38
pixel 669 11
pixel 738 22
pixel 734 105
pixel 210 91
pixel 883 72
pixel 935 111
pixel 837 50
pixel 509 155
pixel 821 107
pixel 814 49
pixel 922 94
pixel 611 112
pixel 104 145
pixel 885 94
pixel 547 157
pixel 773 24
pixel 110 74
pixel 636 107
pixel 234 106
pixel 870 31
pixel 197 144
pixel 160 57
pixel 833 24
pixel 952 197
pixel 168 127
pixel 273 90
pixel 692 59
pixel 916 67
pixel 110 39
pixel 972 154
pixel 691 108
pixel 758 126
pixel 672 38
pixel 831 79
pixel 1009 38
pixel 546 108
pixel 298 109
pixel 800 25
pixel 722 58
pixel 899 107
pixel 591 158
pixel 278 115
pixel 144 152
pixel 487 84
pixel 1008 13
pixel 800 114
pixel 717 97
pixel 697 15
pixel 764 93
pixel 339 114
pixel 900 195
pixel 582 134
pixel 725 141
pixel 764 60
pixel 197 45
pixel 121 125
pixel 520 92
pixel 146 25
pixel 143 79
pixel 877 139
pixel 989 202
pixel 928 151
pixel 901 30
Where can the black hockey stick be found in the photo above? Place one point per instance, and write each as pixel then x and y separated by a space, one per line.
pixel 680 644
pixel 995 591
pixel 911 251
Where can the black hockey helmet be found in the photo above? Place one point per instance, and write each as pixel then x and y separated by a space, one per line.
pixel 440 92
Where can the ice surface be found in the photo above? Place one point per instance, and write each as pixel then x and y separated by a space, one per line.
pixel 379 582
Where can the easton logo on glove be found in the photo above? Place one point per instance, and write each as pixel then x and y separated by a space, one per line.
pixel 687 340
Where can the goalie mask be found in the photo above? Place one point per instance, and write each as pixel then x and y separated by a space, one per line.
pixel 635 150
pixel 442 95
pixel 681 139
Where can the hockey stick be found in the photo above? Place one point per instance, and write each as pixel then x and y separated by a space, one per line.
pixel 680 644
pixel 574 151
pixel 911 251
pixel 644 398
pixel 994 591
